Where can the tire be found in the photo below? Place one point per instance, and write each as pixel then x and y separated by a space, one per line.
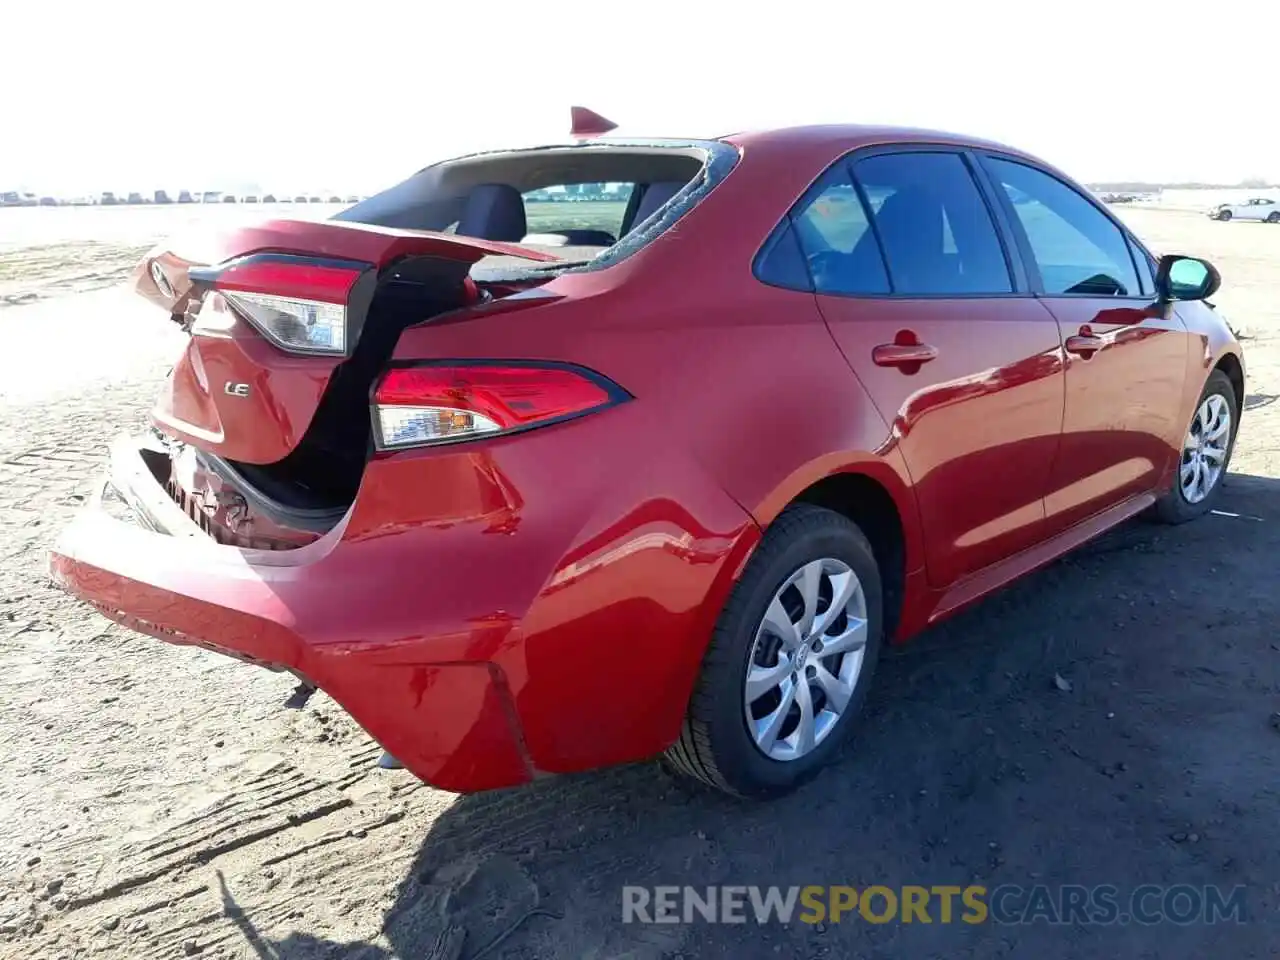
pixel 715 744
pixel 1273 216
pixel 1225 215
pixel 1174 506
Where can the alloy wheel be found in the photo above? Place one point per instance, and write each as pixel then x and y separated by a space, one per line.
pixel 1204 452
pixel 806 658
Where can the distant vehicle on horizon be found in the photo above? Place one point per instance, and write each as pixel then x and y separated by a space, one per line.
pixel 161 196
pixel 353 199
pixel 1255 208
pixel 335 199
pixel 249 198
pixel 299 199
pixel 10 198
pixel 211 196
pixel 49 202
pixel 184 196
pixel 268 198
pixel 108 199
pixel 228 198
pixel 135 198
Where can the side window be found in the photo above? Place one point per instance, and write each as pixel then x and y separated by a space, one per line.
pixel 1146 271
pixel 1077 248
pixel 937 233
pixel 781 263
pixel 586 214
pixel 836 239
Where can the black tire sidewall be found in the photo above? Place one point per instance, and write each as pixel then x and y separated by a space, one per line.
pixel 737 756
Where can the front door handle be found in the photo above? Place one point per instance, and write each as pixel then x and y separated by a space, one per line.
pixel 1084 344
pixel 909 355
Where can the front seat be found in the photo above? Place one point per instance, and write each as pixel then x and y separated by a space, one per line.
pixel 654 196
pixel 494 211
pixel 911 228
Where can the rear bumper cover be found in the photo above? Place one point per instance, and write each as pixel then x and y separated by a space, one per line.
pixel 486 614
pixel 139 559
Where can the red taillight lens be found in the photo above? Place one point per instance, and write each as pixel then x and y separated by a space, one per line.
pixel 439 403
pixel 299 303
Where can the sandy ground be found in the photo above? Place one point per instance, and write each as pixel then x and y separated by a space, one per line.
pixel 158 802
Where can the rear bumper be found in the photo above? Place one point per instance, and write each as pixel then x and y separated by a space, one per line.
pixel 484 613
pixel 139 559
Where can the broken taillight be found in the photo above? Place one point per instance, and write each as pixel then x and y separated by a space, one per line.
pixel 299 303
pixel 450 401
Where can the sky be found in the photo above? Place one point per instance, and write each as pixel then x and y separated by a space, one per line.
pixel 283 96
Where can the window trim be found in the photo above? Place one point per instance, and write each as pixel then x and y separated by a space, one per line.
pixel 1024 243
pixel 1019 276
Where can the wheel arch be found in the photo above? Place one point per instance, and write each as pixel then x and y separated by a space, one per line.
pixel 873 495
pixel 1231 364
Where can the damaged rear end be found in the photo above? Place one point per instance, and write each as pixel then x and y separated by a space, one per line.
pixel 266 416
pixel 347 477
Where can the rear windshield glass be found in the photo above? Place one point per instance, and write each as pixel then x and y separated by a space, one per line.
pixel 586 205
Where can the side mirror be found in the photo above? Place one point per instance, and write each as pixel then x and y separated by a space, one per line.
pixel 1186 278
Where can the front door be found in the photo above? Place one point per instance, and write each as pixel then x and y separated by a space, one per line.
pixel 1125 365
pixel 920 299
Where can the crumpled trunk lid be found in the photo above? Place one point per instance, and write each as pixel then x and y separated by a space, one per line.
pixel 247 397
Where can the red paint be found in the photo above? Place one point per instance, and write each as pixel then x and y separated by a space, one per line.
pixel 541 601
pixel 585 123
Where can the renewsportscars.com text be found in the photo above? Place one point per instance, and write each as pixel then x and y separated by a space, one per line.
pixel 1070 904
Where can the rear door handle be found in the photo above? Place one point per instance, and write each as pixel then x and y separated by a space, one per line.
pixel 1084 345
pixel 903 354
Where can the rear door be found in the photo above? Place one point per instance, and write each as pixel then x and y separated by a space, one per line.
pixel 1125 364
pixel 930 312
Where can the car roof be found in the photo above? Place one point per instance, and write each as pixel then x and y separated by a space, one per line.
pixel 840 138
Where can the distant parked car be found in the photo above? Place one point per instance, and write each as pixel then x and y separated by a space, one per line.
pixel 334 198
pixel 48 201
pixel 269 198
pixel 353 199
pixel 299 199
pixel 1256 208
pixel 184 196
pixel 228 198
pixel 10 198
pixel 211 196
pixel 249 198
pixel 315 200
pixel 135 198
pixel 161 196
pixel 108 199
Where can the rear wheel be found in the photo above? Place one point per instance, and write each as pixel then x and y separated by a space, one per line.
pixel 1273 216
pixel 1206 453
pixel 790 660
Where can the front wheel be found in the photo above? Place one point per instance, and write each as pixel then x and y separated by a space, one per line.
pixel 1206 453
pixel 790 659
pixel 1224 214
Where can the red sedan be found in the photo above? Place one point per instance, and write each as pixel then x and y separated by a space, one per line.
pixel 548 459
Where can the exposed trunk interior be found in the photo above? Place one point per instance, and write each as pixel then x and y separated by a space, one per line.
pixel 323 472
